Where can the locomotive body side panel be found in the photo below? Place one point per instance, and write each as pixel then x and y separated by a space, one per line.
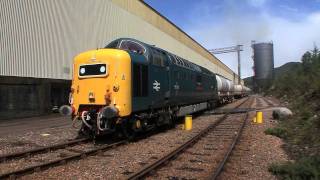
pixel 159 78
pixel 135 87
pixel 140 82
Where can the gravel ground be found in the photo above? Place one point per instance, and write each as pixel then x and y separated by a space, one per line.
pixel 250 160
pixel 122 161
pixel 273 100
pixel 255 151
pixel 36 138
pixel 28 133
pixel 24 162
pixel 198 161
pixel 23 125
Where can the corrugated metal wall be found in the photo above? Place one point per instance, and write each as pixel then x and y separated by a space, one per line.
pixel 151 16
pixel 39 38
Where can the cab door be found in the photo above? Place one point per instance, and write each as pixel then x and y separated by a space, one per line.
pixel 159 78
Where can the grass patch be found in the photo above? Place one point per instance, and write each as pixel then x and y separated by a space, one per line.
pixel 299 87
pixel 304 168
pixel 277 131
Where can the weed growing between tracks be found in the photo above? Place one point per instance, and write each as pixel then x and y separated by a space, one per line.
pixel 299 87
pixel 276 131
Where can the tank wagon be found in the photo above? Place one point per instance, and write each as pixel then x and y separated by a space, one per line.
pixel 130 87
pixel 241 91
pixel 225 89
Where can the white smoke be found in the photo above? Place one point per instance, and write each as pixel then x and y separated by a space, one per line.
pixel 291 38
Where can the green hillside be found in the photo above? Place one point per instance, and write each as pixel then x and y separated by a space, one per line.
pixel 298 85
pixel 290 66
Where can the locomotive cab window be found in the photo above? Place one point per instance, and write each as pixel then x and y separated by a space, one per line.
pixel 93 70
pixel 113 45
pixel 140 80
pixel 132 46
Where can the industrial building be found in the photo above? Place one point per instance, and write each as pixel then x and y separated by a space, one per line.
pixel 263 65
pixel 38 40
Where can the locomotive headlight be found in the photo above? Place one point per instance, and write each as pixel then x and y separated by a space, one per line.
pixel 102 69
pixel 82 70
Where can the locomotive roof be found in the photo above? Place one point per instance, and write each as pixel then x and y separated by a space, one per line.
pixel 188 63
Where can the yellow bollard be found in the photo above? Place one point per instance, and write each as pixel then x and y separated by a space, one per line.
pixel 259 117
pixel 254 119
pixel 188 122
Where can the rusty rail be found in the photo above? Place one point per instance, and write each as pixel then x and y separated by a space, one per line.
pixel 149 168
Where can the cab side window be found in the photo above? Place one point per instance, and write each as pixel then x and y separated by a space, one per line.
pixel 132 46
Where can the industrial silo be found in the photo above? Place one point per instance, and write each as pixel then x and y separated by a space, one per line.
pixel 263 64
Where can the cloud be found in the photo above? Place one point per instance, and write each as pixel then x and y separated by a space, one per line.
pixel 291 38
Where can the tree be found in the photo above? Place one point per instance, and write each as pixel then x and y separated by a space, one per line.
pixel 307 61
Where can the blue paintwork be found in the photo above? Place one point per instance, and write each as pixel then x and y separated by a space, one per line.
pixel 174 90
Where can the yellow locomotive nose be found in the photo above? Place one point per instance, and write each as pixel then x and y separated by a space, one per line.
pixel 102 78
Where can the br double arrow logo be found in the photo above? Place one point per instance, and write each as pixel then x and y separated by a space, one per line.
pixel 156 85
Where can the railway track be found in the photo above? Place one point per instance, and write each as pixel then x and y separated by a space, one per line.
pixel 34 151
pixel 71 155
pixel 264 103
pixel 198 154
pixel 71 147
pixel 269 102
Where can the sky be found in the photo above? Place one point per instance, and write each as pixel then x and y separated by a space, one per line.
pixel 292 25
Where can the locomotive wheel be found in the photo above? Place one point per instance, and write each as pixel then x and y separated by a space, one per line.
pixel 171 123
pixel 128 129
pixel 84 131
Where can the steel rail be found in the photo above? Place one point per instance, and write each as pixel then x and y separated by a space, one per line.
pixel 236 139
pixel 41 149
pixel 270 104
pixel 149 168
pixel 60 161
pixel 43 166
